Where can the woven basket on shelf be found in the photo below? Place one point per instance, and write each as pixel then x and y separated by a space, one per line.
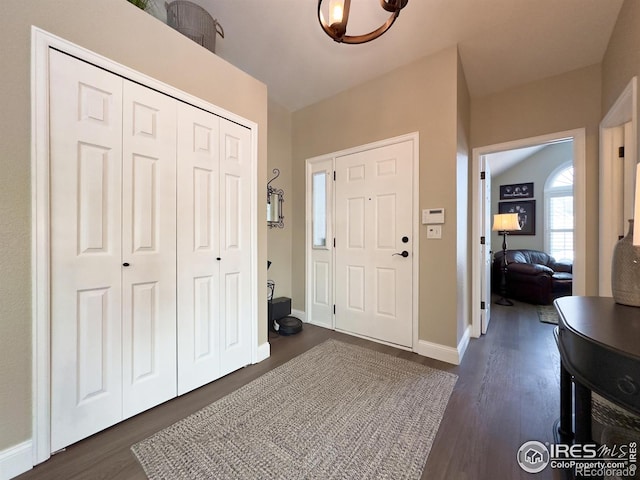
pixel 194 22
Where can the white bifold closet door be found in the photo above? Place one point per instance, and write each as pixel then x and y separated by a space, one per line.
pixel 113 256
pixel 86 250
pixel 198 264
pixel 149 247
pixel 214 257
pixel 235 247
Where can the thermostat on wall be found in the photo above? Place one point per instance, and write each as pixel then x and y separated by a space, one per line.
pixel 432 215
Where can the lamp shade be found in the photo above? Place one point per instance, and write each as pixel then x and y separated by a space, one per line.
pixel 505 222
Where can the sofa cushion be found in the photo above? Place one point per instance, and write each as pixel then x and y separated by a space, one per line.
pixel 529 269
pixel 561 267
pixel 562 276
pixel 528 256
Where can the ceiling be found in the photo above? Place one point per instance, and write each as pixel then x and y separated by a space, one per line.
pixel 502 43
pixel 500 162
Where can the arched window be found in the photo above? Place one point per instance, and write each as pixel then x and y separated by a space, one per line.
pixel 558 218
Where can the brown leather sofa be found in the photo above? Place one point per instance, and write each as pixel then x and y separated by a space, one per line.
pixel 532 276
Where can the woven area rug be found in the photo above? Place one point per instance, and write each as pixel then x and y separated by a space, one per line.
pixel 335 412
pixel 547 314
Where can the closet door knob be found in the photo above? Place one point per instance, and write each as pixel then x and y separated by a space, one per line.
pixel 218 258
pixel 125 264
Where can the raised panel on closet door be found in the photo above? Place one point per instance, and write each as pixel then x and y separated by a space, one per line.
pixel 235 244
pixel 198 248
pixel 85 178
pixel 149 248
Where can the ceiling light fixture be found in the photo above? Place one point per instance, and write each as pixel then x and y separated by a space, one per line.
pixel 339 16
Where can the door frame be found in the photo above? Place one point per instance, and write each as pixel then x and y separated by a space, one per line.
pixel 485 220
pixel 623 111
pixel 579 204
pixel 414 137
pixel 41 42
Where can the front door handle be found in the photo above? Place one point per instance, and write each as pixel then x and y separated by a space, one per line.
pixel 404 254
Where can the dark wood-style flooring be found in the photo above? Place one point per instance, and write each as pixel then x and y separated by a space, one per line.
pixel 507 393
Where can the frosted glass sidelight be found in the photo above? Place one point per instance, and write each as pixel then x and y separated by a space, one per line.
pixel 319 209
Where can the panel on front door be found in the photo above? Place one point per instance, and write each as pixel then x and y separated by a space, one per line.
pixel 373 214
pixel 85 162
pixel 149 248
pixel 198 248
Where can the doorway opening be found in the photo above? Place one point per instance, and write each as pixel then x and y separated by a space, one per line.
pixel 531 174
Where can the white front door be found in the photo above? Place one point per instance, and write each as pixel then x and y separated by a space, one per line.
pixel 374 243
pixel 86 269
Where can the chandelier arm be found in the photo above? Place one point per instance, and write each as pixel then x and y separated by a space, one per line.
pixel 346 7
pixel 393 5
pixel 367 37
pixel 337 31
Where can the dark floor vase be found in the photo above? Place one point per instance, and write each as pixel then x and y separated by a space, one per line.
pixel 625 271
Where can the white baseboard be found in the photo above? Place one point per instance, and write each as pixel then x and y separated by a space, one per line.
pixel 442 352
pixel 264 352
pixel 464 343
pixel 299 314
pixel 15 460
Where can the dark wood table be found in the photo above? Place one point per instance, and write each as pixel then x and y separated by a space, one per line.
pixel 599 344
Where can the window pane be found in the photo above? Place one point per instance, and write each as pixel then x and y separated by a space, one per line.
pixel 561 245
pixel 561 212
pixel 319 209
pixel 564 178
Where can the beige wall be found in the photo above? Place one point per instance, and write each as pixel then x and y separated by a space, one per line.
pixel 622 57
pixel 119 31
pixel 279 239
pixel 463 186
pixel 422 97
pixel 555 104
pixel 621 61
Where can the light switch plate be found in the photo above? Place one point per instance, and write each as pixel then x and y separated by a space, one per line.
pixel 434 231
